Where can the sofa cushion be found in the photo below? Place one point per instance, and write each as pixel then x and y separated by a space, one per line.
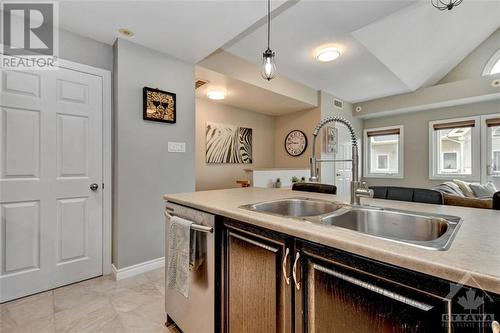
pixel 400 193
pixel 427 196
pixel 314 187
pixel 483 190
pixel 379 192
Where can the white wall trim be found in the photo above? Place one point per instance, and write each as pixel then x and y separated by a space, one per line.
pixel 137 269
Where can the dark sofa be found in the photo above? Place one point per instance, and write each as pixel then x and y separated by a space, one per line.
pixel 407 194
pixel 432 197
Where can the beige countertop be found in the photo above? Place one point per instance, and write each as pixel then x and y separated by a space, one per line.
pixel 473 258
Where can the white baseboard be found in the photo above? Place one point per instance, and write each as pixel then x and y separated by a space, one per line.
pixel 133 270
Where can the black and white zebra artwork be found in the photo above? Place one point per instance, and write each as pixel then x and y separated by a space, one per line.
pixel 228 144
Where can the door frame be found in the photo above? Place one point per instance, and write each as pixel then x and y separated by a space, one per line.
pixel 106 186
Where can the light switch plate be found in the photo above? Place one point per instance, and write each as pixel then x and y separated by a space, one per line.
pixel 176 147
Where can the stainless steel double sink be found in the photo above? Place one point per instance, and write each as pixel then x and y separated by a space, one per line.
pixel 431 231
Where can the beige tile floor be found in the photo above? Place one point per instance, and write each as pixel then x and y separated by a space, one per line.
pixel 99 305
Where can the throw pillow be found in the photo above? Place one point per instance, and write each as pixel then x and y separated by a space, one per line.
pixel 464 187
pixel 483 190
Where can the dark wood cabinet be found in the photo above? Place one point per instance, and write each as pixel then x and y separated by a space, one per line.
pixel 256 292
pixel 338 299
pixel 276 283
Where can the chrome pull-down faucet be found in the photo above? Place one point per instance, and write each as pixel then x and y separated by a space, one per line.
pixel 358 189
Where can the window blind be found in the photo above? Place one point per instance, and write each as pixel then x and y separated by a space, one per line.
pixel 455 124
pixel 493 122
pixel 390 131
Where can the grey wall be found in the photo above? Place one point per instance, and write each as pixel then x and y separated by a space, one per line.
pixel 85 50
pixel 416 140
pixel 473 64
pixel 144 170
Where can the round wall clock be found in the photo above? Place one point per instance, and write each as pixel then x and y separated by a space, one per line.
pixel 296 143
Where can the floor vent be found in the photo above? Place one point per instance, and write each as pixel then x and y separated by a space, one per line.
pixel 198 83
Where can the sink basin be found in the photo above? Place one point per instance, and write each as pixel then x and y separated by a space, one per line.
pixel 295 207
pixel 429 231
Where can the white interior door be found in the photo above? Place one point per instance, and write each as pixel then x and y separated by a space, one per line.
pixel 50 154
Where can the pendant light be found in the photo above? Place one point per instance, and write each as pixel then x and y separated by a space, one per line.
pixel 268 64
pixel 446 4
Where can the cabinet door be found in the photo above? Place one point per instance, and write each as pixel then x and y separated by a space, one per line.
pixel 337 299
pixel 256 289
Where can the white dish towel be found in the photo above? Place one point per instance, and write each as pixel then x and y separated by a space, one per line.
pixel 178 255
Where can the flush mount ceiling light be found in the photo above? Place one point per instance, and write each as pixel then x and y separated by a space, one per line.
pixel 328 54
pixel 268 63
pixel 446 4
pixel 126 32
pixel 216 95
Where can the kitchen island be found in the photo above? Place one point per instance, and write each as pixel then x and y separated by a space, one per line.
pixel 394 276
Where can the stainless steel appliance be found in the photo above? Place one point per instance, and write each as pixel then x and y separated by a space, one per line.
pixel 194 314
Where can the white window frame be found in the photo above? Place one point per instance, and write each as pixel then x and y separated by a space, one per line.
pixel 366 154
pixel 491 63
pixel 485 147
pixel 434 153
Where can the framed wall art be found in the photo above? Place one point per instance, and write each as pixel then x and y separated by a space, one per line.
pixel 158 105
pixel 228 144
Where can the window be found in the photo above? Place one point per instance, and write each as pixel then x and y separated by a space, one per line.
pixel 450 162
pixel 383 162
pixel 496 161
pixel 383 152
pixel 493 65
pixel 454 149
pixel 493 133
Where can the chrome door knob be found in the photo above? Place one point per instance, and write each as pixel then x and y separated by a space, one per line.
pixel 94 187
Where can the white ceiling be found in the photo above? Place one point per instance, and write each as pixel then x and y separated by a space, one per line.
pixel 429 43
pixel 247 96
pixel 188 30
pixel 390 47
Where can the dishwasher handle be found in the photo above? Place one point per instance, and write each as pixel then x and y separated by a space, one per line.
pixel 194 226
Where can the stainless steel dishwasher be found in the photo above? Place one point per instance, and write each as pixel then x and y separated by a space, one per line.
pixel 194 314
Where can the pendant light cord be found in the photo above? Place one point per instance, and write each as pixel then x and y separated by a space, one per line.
pixel 268 24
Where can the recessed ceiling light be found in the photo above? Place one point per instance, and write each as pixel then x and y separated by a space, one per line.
pixel 495 83
pixel 126 32
pixel 328 54
pixel 216 94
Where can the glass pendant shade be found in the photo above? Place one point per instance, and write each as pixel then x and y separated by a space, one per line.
pixel 268 65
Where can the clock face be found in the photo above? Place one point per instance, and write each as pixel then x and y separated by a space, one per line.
pixel 295 143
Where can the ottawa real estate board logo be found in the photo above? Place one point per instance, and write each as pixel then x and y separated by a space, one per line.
pixel 30 40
